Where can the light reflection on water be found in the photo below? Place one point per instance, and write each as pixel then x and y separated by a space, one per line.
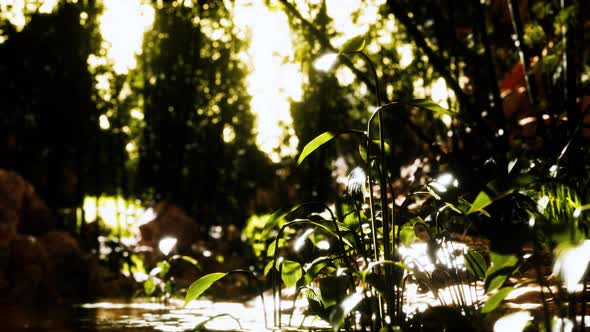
pixel 149 316
pixel 111 315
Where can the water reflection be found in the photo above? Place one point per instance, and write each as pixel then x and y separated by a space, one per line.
pixel 141 315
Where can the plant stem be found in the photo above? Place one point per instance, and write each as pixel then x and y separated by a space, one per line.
pixel 546 318
pixel 529 78
pixel 325 42
pixel 495 90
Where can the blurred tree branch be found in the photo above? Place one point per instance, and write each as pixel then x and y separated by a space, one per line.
pixel 325 42
pixel 437 62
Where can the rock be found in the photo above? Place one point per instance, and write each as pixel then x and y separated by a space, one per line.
pixel 170 221
pixel 75 273
pixel 18 196
pixel 24 272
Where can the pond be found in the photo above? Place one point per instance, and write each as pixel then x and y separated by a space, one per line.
pixel 141 314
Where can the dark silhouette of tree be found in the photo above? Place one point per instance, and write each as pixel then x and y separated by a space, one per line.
pixel 48 116
pixel 193 87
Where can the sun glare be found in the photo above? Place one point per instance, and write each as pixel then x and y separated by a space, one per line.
pixel 342 13
pixel 122 25
pixel 273 81
pixel 18 12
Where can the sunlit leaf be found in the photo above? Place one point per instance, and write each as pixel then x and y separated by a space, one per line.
pixel 189 260
pixel 495 300
pixel 502 266
pixel 201 285
pixel 164 268
pixel 336 230
pixel 481 201
pixel 407 235
pixel 149 287
pixel 502 260
pixel 291 272
pixel 427 104
pixel 321 140
pixel 268 267
pixel 354 44
pixel 475 264
pixel 273 220
pixel 270 251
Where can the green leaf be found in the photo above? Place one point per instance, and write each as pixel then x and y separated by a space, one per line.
pixel 314 144
pixel 330 227
pixel 376 146
pixel 315 268
pixel 191 261
pixel 429 105
pixel 354 44
pixel 149 287
pixel 202 284
pixel 164 268
pixel 494 191
pixel 270 251
pixel 407 235
pixel 291 272
pixel 495 300
pixel 475 264
pixel 273 220
pixel 501 268
pixel 321 140
pixel 481 201
pixel 501 260
pixel 268 267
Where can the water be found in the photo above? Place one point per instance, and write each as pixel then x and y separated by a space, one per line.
pixel 133 315
pixel 116 315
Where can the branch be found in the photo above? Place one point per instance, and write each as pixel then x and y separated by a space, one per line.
pixel 325 42
pixel 437 62
pixel 495 90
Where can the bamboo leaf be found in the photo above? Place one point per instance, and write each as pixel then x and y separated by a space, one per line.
pixel 321 140
pixel 201 285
